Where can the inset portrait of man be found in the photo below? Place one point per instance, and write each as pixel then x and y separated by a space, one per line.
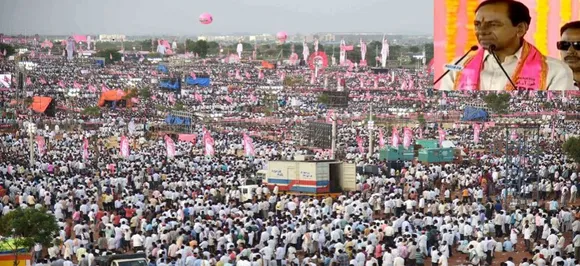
pixel 569 46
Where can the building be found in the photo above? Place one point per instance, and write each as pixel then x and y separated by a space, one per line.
pixel 112 38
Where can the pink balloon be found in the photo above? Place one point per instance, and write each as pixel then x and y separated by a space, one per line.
pixel 205 18
pixel 282 36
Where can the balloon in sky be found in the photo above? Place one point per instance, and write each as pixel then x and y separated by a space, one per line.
pixel 205 18
pixel 282 36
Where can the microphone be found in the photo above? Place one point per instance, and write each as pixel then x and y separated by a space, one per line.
pixel 491 50
pixel 471 49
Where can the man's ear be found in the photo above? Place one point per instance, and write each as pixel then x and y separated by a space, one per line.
pixel 522 29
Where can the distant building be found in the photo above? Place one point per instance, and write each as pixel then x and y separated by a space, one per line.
pixel 112 38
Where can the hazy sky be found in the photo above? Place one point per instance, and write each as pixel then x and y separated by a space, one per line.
pixel 180 17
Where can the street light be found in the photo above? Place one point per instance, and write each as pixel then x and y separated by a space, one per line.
pixel 31 129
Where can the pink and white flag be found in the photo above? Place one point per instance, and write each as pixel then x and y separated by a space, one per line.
pixel 208 143
pixel 248 146
pixel 476 132
pixel 442 135
pixel 381 139
pixel 41 143
pixel 395 139
pixel 407 137
pixel 170 147
pixel 85 149
pixel 124 146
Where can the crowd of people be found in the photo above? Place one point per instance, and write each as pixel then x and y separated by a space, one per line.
pixel 187 209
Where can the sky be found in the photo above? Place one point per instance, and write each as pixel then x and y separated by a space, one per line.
pixel 180 17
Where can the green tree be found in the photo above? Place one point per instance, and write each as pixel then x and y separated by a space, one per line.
pixel 415 49
pixel 498 103
pixel 108 54
pixel 200 47
pixel 9 49
pixel 323 98
pixel 23 228
pixel 429 53
pixel 421 119
pixel 145 93
pixel 93 111
pixel 146 45
pixel 572 148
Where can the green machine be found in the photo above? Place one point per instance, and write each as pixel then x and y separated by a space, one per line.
pixel 394 154
pixel 436 155
pixel 427 143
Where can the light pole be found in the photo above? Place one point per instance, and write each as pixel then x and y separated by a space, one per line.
pixel 31 132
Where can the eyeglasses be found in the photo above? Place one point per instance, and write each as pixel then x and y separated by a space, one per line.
pixel 565 45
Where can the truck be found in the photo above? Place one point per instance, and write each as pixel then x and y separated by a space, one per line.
pixel 137 259
pixel 305 176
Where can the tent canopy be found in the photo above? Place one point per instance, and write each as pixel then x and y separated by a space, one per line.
pixel 112 96
pixel 40 103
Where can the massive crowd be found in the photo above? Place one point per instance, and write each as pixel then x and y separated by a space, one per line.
pixel 188 210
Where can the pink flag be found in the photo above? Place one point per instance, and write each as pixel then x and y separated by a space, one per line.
pixel 124 146
pixel 41 143
pixel 42 81
pixel 253 98
pixel 104 88
pixel 248 76
pixel 61 84
pixel 329 115
pixel 514 135
pixel 395 138
pixel 171 98
pixel 407 137
pixel 376 82
pixel 238 77
pixel 85 149
pixel 229 99
pixel 28 81
pixel 476 131
pixel 260 74
pixel 170 146
pixel 442 134
pixel 248 146
pixel 92 88
pixel 76 85
pixel 359 142
pixel 208 142
pixel 192 74
pixel 198 97
pixel 381 139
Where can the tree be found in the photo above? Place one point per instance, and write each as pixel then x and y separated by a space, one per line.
pixel 26 227
pixel 108 54
pixel 146 45
pixel 572 148
pixel 421 119
pixel 323 98
pixel 414 49
pixel 145 93
pixel 9 49
pixel 200 47
pixel 498 103
pixel 93 111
